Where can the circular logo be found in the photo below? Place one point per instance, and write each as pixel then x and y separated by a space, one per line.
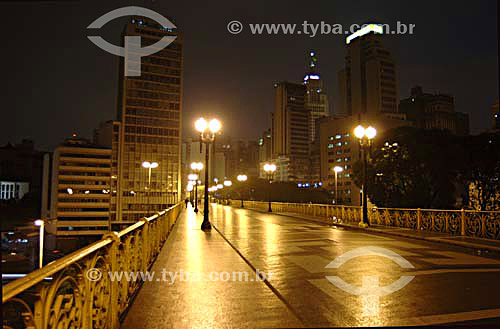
pixel 234 27
pixel 94 274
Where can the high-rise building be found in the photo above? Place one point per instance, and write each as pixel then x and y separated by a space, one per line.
pixel 290 131
pixel 265 146
pixel 81 188
pixel 316 98
pixel 434 111
pixel 150 112
pixel 369 82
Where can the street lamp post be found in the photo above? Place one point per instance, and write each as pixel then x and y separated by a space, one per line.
pixel 149 166
pixel 193 179
pixel 241 179
pixel 207 132
pixel 365 137
pixel 270 168
pixel 197 167
pixel 41 224
pixel 190 190
pixel 337 169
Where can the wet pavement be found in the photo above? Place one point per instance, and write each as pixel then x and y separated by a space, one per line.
pixel 450 284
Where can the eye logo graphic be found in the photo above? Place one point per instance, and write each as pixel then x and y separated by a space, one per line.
pixel 370 291
pixel 132 50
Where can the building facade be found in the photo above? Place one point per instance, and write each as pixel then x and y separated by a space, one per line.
pixel 81 188
pixel 316 98
pixel 369 82
pixel 339 147
pixel 150 112
pixel 434 111
pixel 290 130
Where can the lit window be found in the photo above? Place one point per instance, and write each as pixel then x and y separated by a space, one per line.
pixel 330 146
pixel 338 136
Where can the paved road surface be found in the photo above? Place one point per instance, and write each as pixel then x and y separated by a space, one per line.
pixel 450 284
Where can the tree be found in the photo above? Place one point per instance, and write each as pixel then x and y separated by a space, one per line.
pixel 412 168
pixel 480 172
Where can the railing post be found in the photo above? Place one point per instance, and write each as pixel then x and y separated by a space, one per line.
pixel 145 245
pixel 113 266
pixel 419 219
pixel 462 223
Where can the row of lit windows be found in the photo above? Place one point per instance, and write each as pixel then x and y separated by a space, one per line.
pixel 151 131
pixel 154 122
pixel 338 144
pixel 153 95
pixel 157 78
pixel 344 151
pixel 137 84
pixel 151 140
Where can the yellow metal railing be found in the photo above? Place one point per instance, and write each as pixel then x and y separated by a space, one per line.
pixel 76 290
pixel 482 224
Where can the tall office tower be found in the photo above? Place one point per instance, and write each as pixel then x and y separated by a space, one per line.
pixel 290 132
pixel 369 82
pixel 150 110
pixel 316 98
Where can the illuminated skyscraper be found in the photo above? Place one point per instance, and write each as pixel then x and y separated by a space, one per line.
pixel 369 82
pixel 150 112
pixel 316 98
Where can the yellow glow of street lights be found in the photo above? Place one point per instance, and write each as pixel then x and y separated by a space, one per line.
pixel 228 183
pixel 242 178
pixel 38 222
pixel 359 132
pixel 362 132
pixel 193 177
pixel 201 125
pixel 197 166
pixel 269 168
pixel 220 186
pixel 370 132
pixel 338 169
pixel 214 125
pixel 151 165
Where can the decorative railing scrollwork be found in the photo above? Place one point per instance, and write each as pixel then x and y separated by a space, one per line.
pixel 77 291
pixel 482 224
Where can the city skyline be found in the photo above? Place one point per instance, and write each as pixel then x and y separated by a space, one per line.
pixel 253 98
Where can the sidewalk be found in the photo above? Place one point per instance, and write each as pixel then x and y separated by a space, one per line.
pixel 461 241
pixel 205 303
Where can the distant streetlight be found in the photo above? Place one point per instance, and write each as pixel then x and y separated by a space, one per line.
pixel 207 132
pixel 228 183
pixel 241 179
pixel 149 166
pixel 365 137
pixel 270 168
pixel 337 170
pixel 41 223
pixel 196 167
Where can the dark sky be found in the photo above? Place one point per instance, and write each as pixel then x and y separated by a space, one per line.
pixel 57 82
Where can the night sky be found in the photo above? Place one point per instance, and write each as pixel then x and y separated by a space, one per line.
pixel 57 82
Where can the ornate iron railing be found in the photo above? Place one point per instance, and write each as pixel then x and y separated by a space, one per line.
pixel 76 290
pixel 482 224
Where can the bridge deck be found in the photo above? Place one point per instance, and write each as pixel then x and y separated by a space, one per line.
pixel 450 284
